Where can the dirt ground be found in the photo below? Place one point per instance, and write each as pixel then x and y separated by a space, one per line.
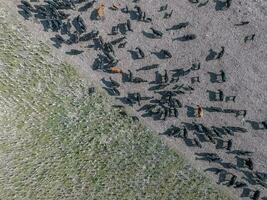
pixel 244 64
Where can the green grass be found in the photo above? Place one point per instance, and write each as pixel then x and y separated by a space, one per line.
pixel 59 142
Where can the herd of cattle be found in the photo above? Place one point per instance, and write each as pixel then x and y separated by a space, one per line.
pixel 69 29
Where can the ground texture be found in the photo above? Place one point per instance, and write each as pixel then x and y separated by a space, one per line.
pixel 243 63
pixel 58 141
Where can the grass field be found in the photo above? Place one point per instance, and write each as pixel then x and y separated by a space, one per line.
pixel 57 141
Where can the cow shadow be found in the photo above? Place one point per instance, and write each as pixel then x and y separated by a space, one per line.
pixel 212 95
pixel 212 55
pixel 220 5
pixel 134 54
pixel 149 35
pixel 255 125
pixel 190 111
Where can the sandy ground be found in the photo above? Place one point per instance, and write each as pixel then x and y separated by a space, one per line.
pixel 244 64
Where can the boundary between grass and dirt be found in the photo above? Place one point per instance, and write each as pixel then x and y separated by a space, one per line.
pixel 49 151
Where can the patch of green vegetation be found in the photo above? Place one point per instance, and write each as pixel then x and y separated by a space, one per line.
pixel 57 141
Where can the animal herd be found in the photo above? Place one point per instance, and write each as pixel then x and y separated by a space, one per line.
pixel 57 16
